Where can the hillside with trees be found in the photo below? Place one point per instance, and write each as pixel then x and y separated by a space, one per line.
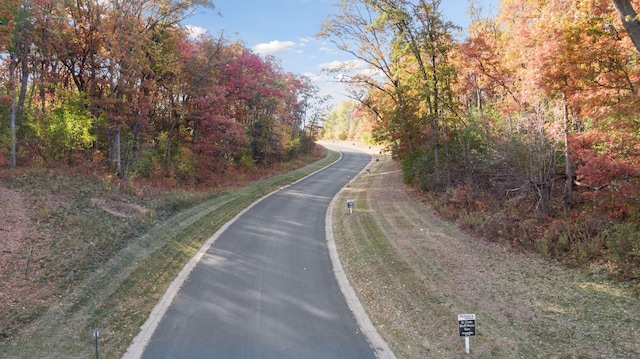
pixel 122 87
pixel 525 130
pixel 122 138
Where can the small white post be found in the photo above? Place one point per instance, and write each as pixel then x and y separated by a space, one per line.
pixel 466 344
pixel 350 205
pixel 96 335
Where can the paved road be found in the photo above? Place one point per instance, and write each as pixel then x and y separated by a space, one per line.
pixel 266 287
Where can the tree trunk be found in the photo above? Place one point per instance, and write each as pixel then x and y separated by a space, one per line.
pixel 545 184
pixel 24 80
pixel 166 155
pixel 19 110
pixel 117 153
pixel 12 115
pixel 568 182
pixel 629 20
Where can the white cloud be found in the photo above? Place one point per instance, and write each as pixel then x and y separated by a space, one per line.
pixel 195 31
pixel 342 65
pixel 273 47
pixel 305 41
pixel 314 77
pixel 333 65
pixel 329 50
pixel 373 73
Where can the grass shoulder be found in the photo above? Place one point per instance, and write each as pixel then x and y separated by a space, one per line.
pixel 414 273
pixel 104 264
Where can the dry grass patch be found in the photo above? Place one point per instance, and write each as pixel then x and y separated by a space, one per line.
pixel 119 207
pixel 415 272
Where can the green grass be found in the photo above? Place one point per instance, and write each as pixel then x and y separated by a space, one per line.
pixel 414 272
pixel 112 271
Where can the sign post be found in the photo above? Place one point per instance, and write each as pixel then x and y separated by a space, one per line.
pixel 350 205
pixel 467 328
pixel 96 335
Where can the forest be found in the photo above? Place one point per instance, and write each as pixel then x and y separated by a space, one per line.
pixel 123 88
pixel 524 128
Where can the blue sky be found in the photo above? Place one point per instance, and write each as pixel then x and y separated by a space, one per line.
pixel 286 29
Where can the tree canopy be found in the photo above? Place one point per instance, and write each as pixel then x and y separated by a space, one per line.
pixel 532 112
pixel 124 85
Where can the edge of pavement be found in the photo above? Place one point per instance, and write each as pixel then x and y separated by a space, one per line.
pixel 378 344
pixel 140 341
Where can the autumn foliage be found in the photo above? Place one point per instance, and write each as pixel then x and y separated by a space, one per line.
pixel 124 88
pixel 524 129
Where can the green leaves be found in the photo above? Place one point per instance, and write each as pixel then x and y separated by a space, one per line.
pixel 66 129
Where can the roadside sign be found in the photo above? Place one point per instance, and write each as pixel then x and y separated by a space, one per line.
pixel 350 204
pixel 467 328
pixel 467 325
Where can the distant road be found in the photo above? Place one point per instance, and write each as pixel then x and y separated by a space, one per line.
pixel 266 287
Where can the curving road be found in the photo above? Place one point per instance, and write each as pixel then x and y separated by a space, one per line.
pixel 266 287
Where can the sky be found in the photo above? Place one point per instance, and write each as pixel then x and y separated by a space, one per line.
pixel 286 29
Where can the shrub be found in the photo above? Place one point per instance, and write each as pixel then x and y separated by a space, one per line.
pixel 578 241
pixel 623 242
pixel 418 168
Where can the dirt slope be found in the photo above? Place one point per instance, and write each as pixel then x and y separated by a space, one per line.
pixel 414 273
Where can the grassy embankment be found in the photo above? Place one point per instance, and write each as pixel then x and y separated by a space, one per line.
pixel 414 273
pixel 94 270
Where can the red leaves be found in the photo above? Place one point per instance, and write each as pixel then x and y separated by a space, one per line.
pixel 599 170
pixel 220 138
pixel 608 165
pixel 248 76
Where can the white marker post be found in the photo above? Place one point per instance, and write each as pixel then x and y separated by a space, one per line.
pixel 350 204
pixel 96 335
pixel 467 328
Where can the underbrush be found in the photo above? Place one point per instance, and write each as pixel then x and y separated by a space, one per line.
pixel 584 238
pixel 623 241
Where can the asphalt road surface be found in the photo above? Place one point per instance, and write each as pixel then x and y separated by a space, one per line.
pixel 266 288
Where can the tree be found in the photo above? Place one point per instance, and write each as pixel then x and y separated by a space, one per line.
pixel 158 100
pixel 423 41
pixel 18 48
pixel 356 32
pixel 339 123
pixel 407 44
pixel 629 20
pixel 554 69
pixel 128 32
